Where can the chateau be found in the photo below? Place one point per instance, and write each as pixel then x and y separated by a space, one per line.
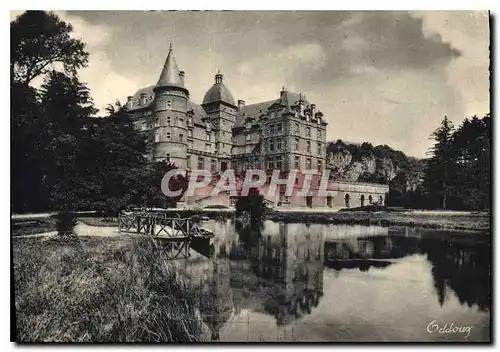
pixel 285 133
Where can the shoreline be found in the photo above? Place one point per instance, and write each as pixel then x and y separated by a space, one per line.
pixel 448 220
pixel 438 221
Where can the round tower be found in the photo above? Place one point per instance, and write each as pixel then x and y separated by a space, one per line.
pixel 170 108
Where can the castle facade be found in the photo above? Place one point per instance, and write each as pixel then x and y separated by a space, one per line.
pixel 285 133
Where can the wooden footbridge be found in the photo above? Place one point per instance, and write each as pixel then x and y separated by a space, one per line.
pixel 172 235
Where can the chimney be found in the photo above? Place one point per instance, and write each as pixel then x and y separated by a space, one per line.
pixel 182 74
pixel 301 105
pixel 142 99
pixel 241 104
pixel 313 110
pixel 129 102
pixel 282 93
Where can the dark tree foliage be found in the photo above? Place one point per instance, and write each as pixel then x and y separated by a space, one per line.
pixel 439 168
pixel 28 183
pixel 65 105
pixel 151 194
pixel 471 150
pixel 39 40
pixel 458 174
pixel 253 205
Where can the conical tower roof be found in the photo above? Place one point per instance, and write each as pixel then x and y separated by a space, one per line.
pixel 169 76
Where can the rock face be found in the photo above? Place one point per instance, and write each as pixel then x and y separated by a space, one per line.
pixel 379 164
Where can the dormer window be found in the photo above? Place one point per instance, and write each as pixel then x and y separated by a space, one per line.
pixel 273 114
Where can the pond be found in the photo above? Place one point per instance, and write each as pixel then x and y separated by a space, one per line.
pixel 319 283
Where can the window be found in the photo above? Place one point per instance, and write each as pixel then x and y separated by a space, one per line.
pixel 181 138
pixel 273 114
pixel 168 120
pixel 157 122
pixel 271 145
pixel 319 148
pixel 270 163
pixel 279 162
pixel 190 120
pixel 144 127
pixel 279 128
pixel 190 144
pixel 207 125
pixel 167 136
pixel 207 137
pixel 157 138
pixel 319 134
pixel 308 146
pixel 201 163
pixel 169 104
pixel 297 130
pixel 320 165
pixel 308 131
pixel 223 134
pixel 248 137
pixel 296 144
pixel 308 163
pixel 214 165
pixel 190 133
pixel 188 161
pixel 271 129
pixel 167 157
pixel 297 162
pixel 180 121
pixel 207 147
pixel 256 163
pixel 278 144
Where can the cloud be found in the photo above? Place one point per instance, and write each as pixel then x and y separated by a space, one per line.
pixel 105 84
pixel 382 77
pixel 469 32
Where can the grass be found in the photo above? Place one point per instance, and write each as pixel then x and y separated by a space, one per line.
pixel 30 227
pixel 100 290
pixel 450 221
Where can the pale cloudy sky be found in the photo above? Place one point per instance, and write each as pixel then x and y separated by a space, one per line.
pixel 383 77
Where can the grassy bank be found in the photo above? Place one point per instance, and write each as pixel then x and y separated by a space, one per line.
pixel 433 220
pixel 102 290
pixel 449 221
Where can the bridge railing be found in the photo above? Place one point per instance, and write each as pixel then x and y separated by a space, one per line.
pixel 159 225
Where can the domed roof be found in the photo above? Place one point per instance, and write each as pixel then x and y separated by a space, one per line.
pixel 218 92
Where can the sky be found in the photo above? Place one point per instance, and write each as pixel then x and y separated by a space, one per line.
pixel 380 77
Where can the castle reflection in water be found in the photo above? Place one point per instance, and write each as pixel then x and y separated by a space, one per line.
pixel 277 269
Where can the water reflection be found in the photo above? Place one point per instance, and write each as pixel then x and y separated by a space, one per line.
pixel 278 269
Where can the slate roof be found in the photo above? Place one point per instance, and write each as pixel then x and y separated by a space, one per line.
pixel 169 76
pixel 199 113
pixel 218 92
pixel 289 99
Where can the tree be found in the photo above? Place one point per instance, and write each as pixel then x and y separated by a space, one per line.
pixel 66 107
pixel 151 194
pixel 439 166
pixel 253 205
pixel 39 40
pixel 471 146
